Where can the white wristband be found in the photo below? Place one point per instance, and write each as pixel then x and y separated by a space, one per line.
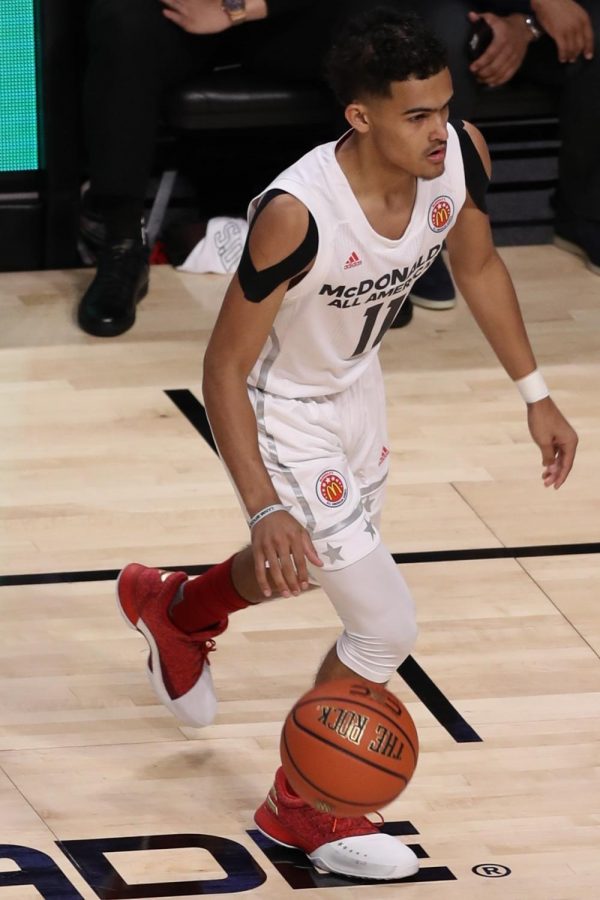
pixel 262 513
pixel 532 387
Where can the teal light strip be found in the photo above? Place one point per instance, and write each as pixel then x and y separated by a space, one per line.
pixel 18 93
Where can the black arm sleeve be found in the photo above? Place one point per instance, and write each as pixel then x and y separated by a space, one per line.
pixel 476 177
pixel 258 285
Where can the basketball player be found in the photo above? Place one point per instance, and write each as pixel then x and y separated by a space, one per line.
pixel 294 393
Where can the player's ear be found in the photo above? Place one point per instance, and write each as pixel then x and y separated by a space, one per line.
pixel 357 117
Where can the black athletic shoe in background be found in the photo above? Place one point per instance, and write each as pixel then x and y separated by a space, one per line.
pixel 405 314
pixel 92 235
pixel 108 306
pixel 94 230
pixel 435 288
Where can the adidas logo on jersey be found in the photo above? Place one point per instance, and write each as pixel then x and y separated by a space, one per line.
pixel 353 260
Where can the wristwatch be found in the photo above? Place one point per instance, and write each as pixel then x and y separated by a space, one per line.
pixel 533 25
pixel 235 9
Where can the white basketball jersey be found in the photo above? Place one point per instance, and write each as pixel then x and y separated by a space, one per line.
pixel 330 325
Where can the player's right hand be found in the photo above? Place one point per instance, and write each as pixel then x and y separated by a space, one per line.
pixel 281 547
pixel 556 439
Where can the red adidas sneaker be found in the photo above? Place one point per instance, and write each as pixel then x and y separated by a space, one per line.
pixel 178 667
pixel 348 846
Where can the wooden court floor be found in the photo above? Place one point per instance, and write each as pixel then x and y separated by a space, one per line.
pixel 104 794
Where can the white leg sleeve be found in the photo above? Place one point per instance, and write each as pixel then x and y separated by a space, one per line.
pixel 373 601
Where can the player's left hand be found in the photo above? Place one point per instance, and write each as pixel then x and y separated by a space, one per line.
pixel 555 438
pixel 197 16
pixel 505 54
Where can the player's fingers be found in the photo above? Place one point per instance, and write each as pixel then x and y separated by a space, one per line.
pixel 300 564
pixel 276 574
pixel 260 570
pixel 567 457
pixel 288 570
pixel 548 453
pixel 310 551
pixel 551 472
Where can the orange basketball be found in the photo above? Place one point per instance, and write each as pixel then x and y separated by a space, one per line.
pixel 349 749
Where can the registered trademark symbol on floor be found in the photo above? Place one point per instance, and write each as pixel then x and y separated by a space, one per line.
pixel 491 870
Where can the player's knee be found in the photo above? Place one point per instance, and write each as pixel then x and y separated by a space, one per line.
pixel 376 658
pixel 407 639
pixel 400 630
pixel 401 638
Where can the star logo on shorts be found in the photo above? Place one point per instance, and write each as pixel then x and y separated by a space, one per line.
pixel 369 529
pixel 333 554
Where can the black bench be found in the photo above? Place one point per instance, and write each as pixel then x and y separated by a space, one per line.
pixel 518 120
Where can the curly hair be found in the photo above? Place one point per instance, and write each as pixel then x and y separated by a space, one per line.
pixel 380 46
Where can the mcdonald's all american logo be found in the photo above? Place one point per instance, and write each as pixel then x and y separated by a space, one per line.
pixel 331 488
pixel 441 212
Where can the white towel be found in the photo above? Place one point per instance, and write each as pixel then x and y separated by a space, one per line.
pixel 220 249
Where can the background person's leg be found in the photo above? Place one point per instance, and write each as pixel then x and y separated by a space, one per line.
pixel 448 19
pixel 134 56
pixel 578 195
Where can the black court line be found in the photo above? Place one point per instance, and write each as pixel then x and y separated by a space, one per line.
pixel 418 680
pixel 497 552
pixel 438 705
pixel 419 556
pixel 81 576
pixel 194 412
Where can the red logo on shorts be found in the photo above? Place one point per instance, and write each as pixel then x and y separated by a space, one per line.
pixel 441 212
pixel 331 488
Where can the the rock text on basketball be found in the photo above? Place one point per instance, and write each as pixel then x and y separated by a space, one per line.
pixel 345 722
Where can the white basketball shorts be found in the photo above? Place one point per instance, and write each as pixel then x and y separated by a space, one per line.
pixel 328 459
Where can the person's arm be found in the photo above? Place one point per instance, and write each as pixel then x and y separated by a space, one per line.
pixel 506 52
pixel 565 21
pixel 209 17
pixel 487 287
pixel 239 335
pixel 569 25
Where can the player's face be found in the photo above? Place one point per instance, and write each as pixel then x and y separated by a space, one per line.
pixel 408 130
